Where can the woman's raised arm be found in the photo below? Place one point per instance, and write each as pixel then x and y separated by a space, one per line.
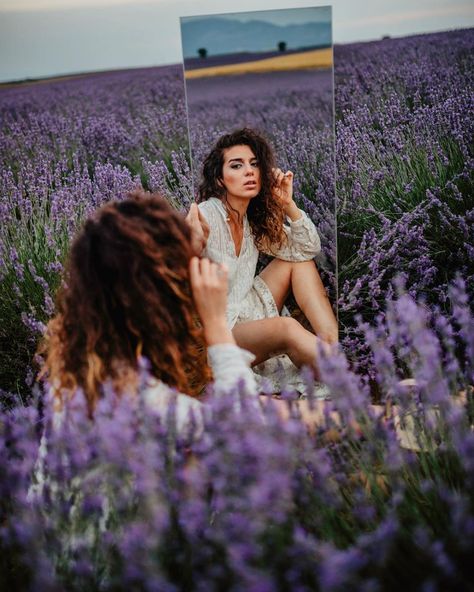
pixel 199 228
pixel 229 362
pixel 302 242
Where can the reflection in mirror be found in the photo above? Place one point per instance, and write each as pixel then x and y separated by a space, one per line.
pixel 270 71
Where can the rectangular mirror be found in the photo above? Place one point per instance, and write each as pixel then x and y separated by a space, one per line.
pixel 270 71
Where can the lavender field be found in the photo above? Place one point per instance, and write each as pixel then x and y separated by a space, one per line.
pixel 65 148
pixel 404 170
pixel 405 173
pixel 68 146
pixel 294 109
pixel 257 503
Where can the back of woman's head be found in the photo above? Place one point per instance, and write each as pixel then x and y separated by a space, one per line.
pixel 264 214
pixel 126 295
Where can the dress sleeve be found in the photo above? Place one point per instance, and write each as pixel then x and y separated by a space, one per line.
pixel 230 366
pixel 188 410
pixel 302 241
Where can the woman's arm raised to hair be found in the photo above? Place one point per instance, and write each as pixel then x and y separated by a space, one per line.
pixel 209 287
pixel 199 228
pixel 229 362
pixel 302 240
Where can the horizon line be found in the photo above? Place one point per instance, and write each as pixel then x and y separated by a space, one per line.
pixel 82 73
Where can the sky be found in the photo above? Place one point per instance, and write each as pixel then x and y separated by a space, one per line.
pixel 40 38
pixel 256 31
pixel 281 16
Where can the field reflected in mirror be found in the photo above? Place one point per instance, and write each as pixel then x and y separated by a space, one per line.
pixel 271 71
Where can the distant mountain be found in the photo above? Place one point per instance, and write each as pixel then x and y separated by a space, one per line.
pixel 223 36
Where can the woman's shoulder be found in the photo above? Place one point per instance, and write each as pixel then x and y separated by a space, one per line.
pixel 213 210
pixel 159 396
pixel 213 204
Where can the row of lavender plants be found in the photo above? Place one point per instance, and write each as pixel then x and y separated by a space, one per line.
pixel 405 172
pixel 68 146
pixel 257 503
pixel 403 154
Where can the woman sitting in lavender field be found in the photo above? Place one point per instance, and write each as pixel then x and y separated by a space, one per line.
pixel 248 205
pixel 134 288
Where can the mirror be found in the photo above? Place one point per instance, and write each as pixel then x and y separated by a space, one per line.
pixel 270 71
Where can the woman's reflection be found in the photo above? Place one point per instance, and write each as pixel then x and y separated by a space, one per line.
pixel 248 205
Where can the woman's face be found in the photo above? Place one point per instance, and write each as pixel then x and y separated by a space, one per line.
pixel 241 172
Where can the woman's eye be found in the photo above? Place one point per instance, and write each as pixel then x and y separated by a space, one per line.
pixel 255 164
pixel 235 166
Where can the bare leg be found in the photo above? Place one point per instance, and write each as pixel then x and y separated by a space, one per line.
pixel 266 338
pixel 304 280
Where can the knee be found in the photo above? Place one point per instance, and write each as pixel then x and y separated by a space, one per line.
pixel 282 262
pixel 302 264
pixel 283 267
pixel 329 336
pixel 295 264
pixel 303 268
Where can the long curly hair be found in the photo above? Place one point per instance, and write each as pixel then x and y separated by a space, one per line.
pixel 264 214
pixel 127 294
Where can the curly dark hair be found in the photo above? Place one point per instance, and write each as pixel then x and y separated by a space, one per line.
pixel 127 294
pixel 264 214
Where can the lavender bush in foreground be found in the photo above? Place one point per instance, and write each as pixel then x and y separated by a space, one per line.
pixel 256 503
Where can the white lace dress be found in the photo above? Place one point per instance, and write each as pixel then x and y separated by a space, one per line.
pixel 249 297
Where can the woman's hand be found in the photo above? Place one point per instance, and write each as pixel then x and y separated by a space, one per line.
pixel 199 228
pixel 283 189
pixel 283 193
pixel 209 287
